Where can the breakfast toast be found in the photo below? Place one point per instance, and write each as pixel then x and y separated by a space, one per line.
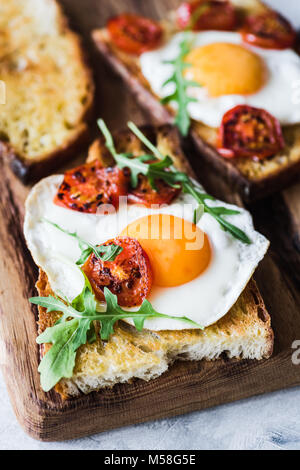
pixel 253 179
pixel 244 332
pixel 49 87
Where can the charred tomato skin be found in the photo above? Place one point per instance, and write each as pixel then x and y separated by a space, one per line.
pixel 213 15
pixel 89 186
pixel 145 195
pixel 249 132
pixel 269 30
pixel 134 34
pixel 129 276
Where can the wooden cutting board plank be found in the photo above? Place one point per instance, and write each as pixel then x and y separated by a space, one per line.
pixel 186 386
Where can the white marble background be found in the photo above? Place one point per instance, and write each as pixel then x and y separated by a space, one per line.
pixel 265 422
pixel 269 422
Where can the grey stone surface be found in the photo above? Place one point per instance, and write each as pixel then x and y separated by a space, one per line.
pixel 266 422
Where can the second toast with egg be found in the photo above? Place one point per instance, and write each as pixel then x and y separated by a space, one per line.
pixel 252 179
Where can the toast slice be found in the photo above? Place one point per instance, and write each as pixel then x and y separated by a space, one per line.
pixel 252 179
pixel 49 87
pixel 245 332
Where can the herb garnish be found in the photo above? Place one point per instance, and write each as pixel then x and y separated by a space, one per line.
pixel 75 328
pixel 196 15
pixel 182 119
pixel 163 169
pixel 105 253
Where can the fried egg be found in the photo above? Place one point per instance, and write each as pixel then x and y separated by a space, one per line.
pixel 199 270
pixel 229 72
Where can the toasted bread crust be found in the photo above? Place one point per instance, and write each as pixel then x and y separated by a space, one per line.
pixel 253 180
pixel 28 168
pixel 246 317
pixel 148 354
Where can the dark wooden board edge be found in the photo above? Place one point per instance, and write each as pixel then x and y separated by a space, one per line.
pixel 139 402
pixel 29 172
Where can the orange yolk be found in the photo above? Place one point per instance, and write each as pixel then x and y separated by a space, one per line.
pixel 178 250
pixel 225 69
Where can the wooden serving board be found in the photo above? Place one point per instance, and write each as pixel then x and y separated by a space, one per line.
pixel 187 386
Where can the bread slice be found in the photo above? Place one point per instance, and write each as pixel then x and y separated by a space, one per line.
pixel 250 178
pixel 245 332
pixel 49 87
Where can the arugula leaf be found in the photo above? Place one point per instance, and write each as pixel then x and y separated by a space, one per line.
pixel 59 361
pixel 164 169
pixel 196 15
pixel 109 143
pixel 138 166
pixel 105 253
pixel 145 141
pixel 180 96
pixel 216 212
pixel 75 328
pixel 114 312
pixel 66 335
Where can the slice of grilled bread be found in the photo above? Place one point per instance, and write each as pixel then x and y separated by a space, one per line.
pixel 245 332
pixel 253 179
pixel 49 87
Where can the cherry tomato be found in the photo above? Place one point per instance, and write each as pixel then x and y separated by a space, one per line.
pixel 129 276
pixel 269 30
pixel 249 132
pixel 134 34
pixel 87 187
pixel 144 194
pixel 204 15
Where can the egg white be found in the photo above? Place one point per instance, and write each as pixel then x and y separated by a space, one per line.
pixel 205 299
pixel 277 96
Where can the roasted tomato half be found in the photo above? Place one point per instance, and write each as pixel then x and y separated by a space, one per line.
pixel 144 194
pixel 134 34
pixel 129 276
pixel 269 30
pixel 87 187
pixel 204 15
pixel 249 132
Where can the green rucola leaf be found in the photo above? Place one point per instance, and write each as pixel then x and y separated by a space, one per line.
pixel 145 141
pixel 109 252
pixel 235 231
pixel 59 361
pixel 199 211
pixel 106 253
pixel 108 137
pixel 224 211
pixel 137 167
pixel 114 312
pixel 66 336
pixel 76 327
pixel 180 96
pixel 163 169
pixel 84 256
pixel 196 15
pixel 52 304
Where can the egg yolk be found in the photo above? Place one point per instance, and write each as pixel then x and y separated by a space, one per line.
pixel 178 250
pixel 225 69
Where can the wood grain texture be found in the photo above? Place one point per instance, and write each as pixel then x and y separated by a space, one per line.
pixel 186 386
